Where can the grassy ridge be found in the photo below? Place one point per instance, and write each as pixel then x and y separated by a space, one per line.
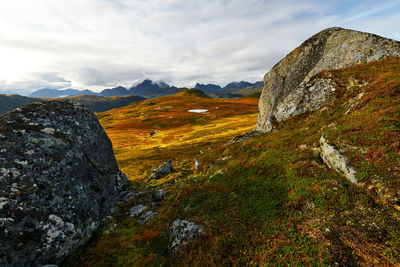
pixel 271 200
pixel 10 102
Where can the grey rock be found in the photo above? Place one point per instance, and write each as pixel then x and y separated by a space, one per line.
pixel 196 164
pixel 158 195
pixel 136 210
pixel 58 180
pixel 292 85
pixel 162 170
pixel 307 97
pixel 155 204
pixel 122 180
pixel 243 137
pixel 147 217
pixel 336 160
pixel 182 232
pixel 130 195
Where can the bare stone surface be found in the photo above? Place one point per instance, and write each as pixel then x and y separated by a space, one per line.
pixel 290 87
pixel 146 217
pixel 162 170
pixel 336 160
pixel 136 210
pixel 58 180
pixel 183 231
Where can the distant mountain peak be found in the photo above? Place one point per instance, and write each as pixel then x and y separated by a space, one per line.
pixel 208 88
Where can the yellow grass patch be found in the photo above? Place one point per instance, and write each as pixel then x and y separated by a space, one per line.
pixel 146 134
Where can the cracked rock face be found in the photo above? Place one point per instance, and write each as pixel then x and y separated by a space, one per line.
pixel 58 180
pixel 291 80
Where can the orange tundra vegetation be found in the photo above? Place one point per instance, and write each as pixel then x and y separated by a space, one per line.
pixel 148 133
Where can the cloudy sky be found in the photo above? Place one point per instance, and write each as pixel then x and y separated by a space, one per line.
pixel 96 44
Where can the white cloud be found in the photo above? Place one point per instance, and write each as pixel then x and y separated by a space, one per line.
pixel 101 43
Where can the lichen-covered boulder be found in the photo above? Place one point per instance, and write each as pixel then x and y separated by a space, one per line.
pixel 58 180
pixel 332 48
pixel 183 231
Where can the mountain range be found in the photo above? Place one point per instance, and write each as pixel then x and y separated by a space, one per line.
pixel 150 89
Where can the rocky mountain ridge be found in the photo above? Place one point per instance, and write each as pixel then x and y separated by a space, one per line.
pixel 150 89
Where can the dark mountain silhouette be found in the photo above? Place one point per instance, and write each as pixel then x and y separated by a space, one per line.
pixel 208 88
pixel 150 89
pixel 117 91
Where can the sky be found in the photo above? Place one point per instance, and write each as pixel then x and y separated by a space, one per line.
pixel 97 44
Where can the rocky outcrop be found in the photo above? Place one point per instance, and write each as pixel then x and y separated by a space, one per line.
pixel 146 217
pixel 58 180
pixel 158 195
pixel 162 170
pixel 182 232
pixel 136 210
pixel 307 97
pixel 290 87
pixel 336 160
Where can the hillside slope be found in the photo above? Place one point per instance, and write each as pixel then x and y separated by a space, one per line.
pixel 101 103
pixel 148 133
pixel 271 200
pixel 10 102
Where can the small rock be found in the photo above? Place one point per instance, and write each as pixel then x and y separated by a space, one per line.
pixel 131 195
pixel 336 160
pixel 182 232
pixel 136 210
pixel 155 204
pixel 303 147
pixel 162 170
pixel 147 217
pixel 158 195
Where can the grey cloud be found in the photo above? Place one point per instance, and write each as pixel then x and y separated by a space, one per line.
pixel 101 43
pixel 34 82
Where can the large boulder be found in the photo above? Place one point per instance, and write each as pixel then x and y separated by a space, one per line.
pixel 291 82
pixel 58 180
